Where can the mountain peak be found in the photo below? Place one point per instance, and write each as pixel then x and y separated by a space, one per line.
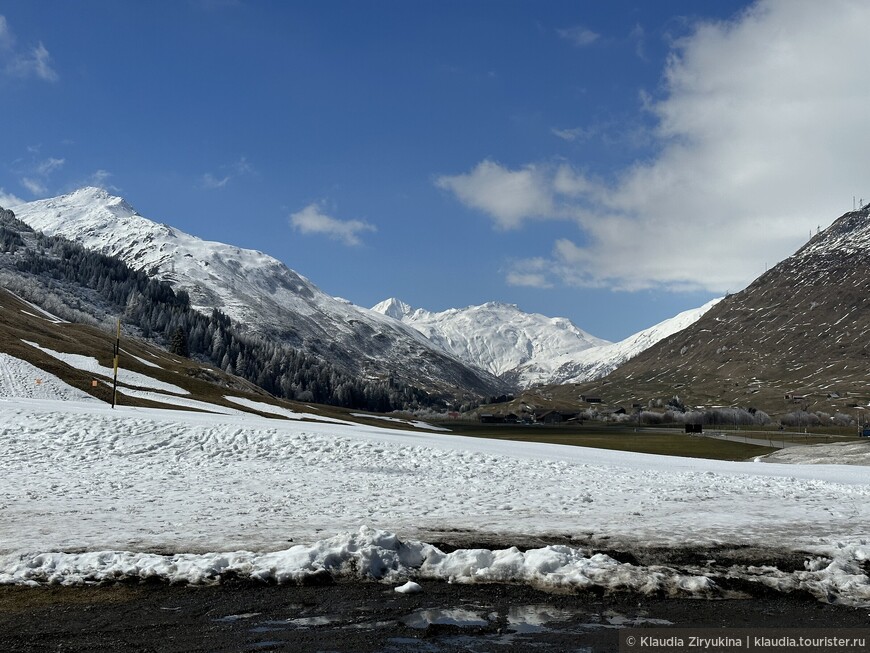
pixel 94 195
pixel 394 308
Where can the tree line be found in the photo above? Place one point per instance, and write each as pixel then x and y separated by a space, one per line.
pixel 160 313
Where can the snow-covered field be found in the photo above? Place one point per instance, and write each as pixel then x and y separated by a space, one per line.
pixel 88 493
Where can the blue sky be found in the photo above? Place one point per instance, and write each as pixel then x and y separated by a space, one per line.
pixel 612 162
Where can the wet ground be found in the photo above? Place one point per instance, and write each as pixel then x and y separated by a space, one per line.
pixel 367 617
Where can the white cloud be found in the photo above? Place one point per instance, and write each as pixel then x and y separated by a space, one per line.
pixel 243 167
pixel 638 35
pixel 579 35
pixel 100 179
pixel 508 196
pixel 530 273
pixel 7 40
pixel 49 165
pixel 8 199
pixel 761 136
pixel 35 62
pixel 239 168
pixel 36 174
pixel 210 181
pixel 35 186
pixel 39 63
pixel 573 134
pixel 311 220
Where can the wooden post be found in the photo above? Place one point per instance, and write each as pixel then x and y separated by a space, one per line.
pixel 117 354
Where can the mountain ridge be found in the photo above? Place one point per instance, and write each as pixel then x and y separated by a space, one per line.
pixel 258 292
pixel 529 349
pixel 481 350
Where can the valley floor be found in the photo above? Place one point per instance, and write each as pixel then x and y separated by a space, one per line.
pixel 91 494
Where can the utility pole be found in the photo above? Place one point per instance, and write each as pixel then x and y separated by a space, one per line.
pixel 117 353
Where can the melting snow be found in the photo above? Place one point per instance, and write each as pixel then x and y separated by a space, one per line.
pixel 233 490
pixel 19 378
pixel 92 365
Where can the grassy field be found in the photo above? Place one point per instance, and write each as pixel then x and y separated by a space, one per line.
pixel 666 442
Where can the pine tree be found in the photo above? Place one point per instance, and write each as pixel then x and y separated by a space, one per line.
pixel 178 343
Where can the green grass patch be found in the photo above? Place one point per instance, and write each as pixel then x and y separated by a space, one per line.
pixel 666 443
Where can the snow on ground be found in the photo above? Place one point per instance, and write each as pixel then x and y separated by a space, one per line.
pixel 405 422
pixel 845 453
pixel 92 365
pixel 88 493
pixel 142 360
pixel 181 402
pixel 19 378
pixel 271 409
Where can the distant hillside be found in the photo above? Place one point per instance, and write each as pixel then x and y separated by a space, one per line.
pixel 44 357
pixel 798 338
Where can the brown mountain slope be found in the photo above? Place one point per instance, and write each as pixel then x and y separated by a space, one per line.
pixel 797 337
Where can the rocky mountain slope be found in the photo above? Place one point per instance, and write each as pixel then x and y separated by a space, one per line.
pixel 528 349
pixel 258 292
pixel 797 338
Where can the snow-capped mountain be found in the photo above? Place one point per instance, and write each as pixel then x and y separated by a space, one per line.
pixel 526 348
pixel 257 291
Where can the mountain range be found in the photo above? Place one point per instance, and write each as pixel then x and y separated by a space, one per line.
pixel 528 349
pixel 481 351
pixel 257 292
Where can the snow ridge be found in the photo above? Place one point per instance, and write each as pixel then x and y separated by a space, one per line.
pixel 528 348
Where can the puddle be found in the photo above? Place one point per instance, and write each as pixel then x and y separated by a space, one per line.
pixel 237 617
pixel 409 643
pixel 370 625
pixel 621 621
pixel 265 645
pixel 530 619
pixel 456 617
pixel 541 626
pixel 308 622
pixel 298 622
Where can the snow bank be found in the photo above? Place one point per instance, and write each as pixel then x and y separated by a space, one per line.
pixel 182 402
pixel 367 554
pixel 372 554
pixel 18 378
